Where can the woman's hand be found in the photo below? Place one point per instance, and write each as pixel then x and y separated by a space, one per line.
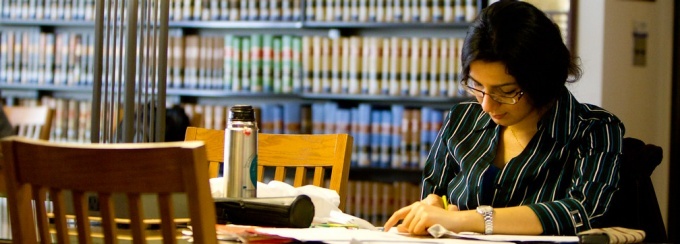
pixel 419 216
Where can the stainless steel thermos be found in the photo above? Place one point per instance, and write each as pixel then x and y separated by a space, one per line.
pixel 240 153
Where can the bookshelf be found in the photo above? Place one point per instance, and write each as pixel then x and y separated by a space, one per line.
pixel 391 126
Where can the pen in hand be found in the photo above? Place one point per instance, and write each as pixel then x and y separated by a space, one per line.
pixel 446 202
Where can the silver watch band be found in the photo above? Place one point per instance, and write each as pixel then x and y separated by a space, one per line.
pixel 487 213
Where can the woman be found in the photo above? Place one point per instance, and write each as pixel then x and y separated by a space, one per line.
pixel 525 157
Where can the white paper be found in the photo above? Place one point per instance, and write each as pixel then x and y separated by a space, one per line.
pixel 439 231
pixel 343 235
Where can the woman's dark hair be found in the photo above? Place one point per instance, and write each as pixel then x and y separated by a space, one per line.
pixel 528 43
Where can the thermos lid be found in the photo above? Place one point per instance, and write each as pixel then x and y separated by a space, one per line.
pixel 241 113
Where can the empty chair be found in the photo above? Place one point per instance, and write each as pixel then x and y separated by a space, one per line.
pixel 30 121
pixel 281 151
pixel 34 168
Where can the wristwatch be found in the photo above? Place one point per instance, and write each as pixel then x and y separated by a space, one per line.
pixel 487 212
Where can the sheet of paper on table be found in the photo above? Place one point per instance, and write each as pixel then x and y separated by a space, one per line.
pixel 344 235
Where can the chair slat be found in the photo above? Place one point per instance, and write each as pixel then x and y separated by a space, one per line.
pixel 80 208
pixel 40 196
pixel 300 175
pixel 318 176
pixel 136 218
pixel 167 218
pixel 280 173
pixel 108 219
pixel 58 204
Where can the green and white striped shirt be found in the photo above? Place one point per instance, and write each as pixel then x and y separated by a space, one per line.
pixel 567 173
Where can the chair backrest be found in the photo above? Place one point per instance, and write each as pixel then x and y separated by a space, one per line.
pixel 282 151
pixel 33 168
pixel 635 205
pixel 30 121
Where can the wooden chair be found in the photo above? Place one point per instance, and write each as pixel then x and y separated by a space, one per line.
pixel 281 151
pixel 30 121
pixel 27 121
pixel 35 167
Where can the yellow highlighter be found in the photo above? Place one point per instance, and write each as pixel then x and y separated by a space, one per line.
pixel 446 203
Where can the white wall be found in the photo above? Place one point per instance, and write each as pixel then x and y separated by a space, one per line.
pixel 639 96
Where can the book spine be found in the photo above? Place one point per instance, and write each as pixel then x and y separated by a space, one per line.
pixel 4 54
pixel 267 59
pixel 234 7
pixel 275 9
pixel 218 62
pixel 406 56
pixel 287 64
pixel 277 69
pixel 396 138
pixel 310 10
pixel 380 11
pixel 345 65
pixel 337 13
pixel 325 70
pixel 203 62
pixel 246 64
pixel 437 11
pixel 191 56
pixel 385 138
pixel 236 64
pixel 423 72
pixel 329 120
pixel 394 65
pixel 414 148
pixel 49 58
pixel 425 11
pixel 336 60
pixel 228 61
pixel 363 140
pixel 363 10
pixel 354 67
pixel 374 66
pixel 444 60
pixel 375 137
pixel 448 10
pixel 291 118
pixel 316 47
pixel 307 67
pixel 320 10
pixel 434 67
pixel 415 67
pixel 459 10
pixel 180 65
pixel 297 65
pixel 364 69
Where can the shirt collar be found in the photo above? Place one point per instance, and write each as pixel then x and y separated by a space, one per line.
pixel 561 120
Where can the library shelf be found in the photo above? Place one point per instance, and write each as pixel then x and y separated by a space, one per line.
pixel 386 175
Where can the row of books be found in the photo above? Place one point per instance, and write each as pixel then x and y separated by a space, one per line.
pixel 326 10
pixel 425 11
pixel 384 137
pixel 257 63
pixel 376 201
pixel 29 56
pixel 312 64
pixel 47 9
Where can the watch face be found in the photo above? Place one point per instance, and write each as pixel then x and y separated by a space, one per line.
pixel 484 209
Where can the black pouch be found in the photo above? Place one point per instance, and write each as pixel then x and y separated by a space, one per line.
pixel 287 212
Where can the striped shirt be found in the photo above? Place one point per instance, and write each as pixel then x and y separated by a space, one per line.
pixel 567 173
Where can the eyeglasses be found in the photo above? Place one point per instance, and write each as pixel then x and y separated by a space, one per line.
pixel 504 99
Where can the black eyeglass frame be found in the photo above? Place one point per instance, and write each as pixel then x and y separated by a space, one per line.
pixel 498 98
